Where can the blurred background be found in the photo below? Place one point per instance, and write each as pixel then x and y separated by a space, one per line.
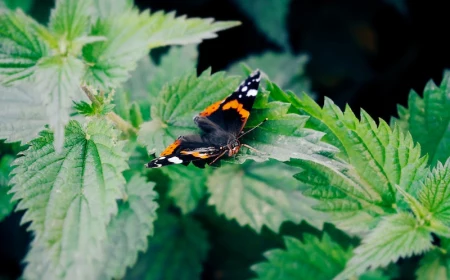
pixel 368 54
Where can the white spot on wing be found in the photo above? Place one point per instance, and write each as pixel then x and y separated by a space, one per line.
pixel 252 92
pixel 240 95
pixel 175 160
pixel 249 83
pixel 162 157
pixel 259 79
pixel 244 89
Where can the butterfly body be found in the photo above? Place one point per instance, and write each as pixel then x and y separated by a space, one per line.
pixel 221 126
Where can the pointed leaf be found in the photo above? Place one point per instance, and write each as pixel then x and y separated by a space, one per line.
pixel 70 19
pixel 435 193
pixel 111 61
pixel 104 9
pixel 58 80
pixel 21 47
pixel 22 113
pixel 270 16
pixel 311 259
pixel 381 158
pixel 128 231
pixel 258 194
pixel 176 251
pixel 428 119
pixel 166 29
pixel 390 240
pixel 69 197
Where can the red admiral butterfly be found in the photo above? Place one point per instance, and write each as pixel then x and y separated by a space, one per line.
pixel 221 124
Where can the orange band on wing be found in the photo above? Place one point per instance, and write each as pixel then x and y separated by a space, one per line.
pixel 210 109
pixel 234 104
pixel 171 148
pixel 195 154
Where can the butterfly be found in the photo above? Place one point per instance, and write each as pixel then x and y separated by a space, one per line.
pixel 221 126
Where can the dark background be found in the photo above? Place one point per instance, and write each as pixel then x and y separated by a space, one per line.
pixel 368 54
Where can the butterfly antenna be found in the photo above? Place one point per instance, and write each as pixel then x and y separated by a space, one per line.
pixel 219 156
pixel 251 129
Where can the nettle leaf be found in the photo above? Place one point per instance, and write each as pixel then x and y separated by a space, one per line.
pixel 6 206
pixel 380 159
pixel 22 113
pixel 70 19
pixel 284 69
pixel 58 80
pixel 258 194
pixel 128 231
pixel 21 46
pixel 436 263
pixel 311 259
pixel 396 236
pixel 111 60
pixel 434 194
pixel 270 17
pixel 176 251
pixel 166 29
pixel 187 185
pixel 428 118
pixel 69 197
pixel 178 103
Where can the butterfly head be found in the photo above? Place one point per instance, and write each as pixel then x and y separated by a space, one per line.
pixel 233 146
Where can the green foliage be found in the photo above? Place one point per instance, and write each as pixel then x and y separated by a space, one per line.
pixel 6 206
pixel 428 118
pixel 25 5
pixel 176 251
pixel 270 17
pixel 436 263
pixel 70 196
pixel 310 259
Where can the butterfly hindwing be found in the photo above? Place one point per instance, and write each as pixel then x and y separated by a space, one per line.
pixel 184 150
pixel 232 113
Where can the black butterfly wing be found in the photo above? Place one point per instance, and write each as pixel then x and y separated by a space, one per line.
pixel 187 149
pixel 232 113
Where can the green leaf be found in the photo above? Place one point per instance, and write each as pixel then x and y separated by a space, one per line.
pixel 311 259
pixel 286 70
pixel 128 231
pixel 258 194
pixel 70 19
pixel 21 47
pixel 166 29
pixel 396 236
pixel 69 197
pixel 435 193
pixel 24 5
pixel 187 185
pixel 380 159
pixel 270 17
pixel 111 61
pixel 58 80
pixel 178 102
pixel 6 206
pixel 428 118
pixel 436 263
pixel 22 113
pixel 176 251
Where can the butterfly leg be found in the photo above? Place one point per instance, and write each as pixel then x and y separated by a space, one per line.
pixel 253 128
pixel 219 156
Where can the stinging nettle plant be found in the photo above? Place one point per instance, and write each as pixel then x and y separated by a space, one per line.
pixel 89 106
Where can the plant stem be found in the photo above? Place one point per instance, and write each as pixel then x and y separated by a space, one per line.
pixel 121 124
